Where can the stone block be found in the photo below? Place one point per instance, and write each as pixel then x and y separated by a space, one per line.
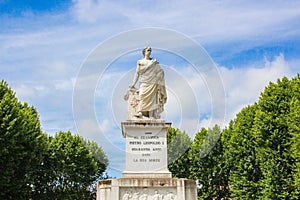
pixel 146 189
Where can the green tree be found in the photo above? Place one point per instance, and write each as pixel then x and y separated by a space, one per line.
pixel 178 146
pixel 208 165
pixel 101 159
pixel 294 128
pixel 22 145
pixel 70 168
pixel 240 155
pixel 261 146
pixel 274 140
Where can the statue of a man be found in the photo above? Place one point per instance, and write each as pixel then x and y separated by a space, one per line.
pixel 152 91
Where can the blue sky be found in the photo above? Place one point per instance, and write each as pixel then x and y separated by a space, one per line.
pixel 17 7
pixel 44 44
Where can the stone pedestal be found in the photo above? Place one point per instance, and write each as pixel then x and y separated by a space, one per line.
pixel 146 149
pixel 146 175
pixel 147 189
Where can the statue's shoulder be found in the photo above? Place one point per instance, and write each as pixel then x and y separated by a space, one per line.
pixel 141 62
pixel 145 61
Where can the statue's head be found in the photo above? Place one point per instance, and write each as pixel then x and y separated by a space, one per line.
pixel 146 49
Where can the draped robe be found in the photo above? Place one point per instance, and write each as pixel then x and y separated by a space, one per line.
pixel 152 89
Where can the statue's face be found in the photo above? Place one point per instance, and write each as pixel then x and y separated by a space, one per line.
pixel 148 51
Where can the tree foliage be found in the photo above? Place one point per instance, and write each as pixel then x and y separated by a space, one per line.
pixel 70 168
pixel 294 128
pixel 101 159
pixel 273 141
pixel 98 155
pixel 208 165
pixel 241 156
pixel 36 166
pixel 262 145
pixel 22 145
pixel 178 146
pixel 258 156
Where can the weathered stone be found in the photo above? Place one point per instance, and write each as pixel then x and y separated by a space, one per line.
pixel 147 188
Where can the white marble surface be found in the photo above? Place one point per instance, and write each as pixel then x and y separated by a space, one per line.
pixel 147 189
pixel 146 149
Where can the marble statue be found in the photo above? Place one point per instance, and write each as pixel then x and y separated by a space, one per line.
pixel 152 92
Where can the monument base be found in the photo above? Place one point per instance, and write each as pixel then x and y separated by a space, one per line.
pixel 146 175
pixel 160 174
pixel 147 189
pixel 146 149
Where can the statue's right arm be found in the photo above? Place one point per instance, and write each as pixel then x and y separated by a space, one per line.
pixel 136 75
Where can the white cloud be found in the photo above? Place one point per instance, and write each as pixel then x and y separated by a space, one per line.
pixel 211 20
pixel 64 85
pixel 86 10
pixel 105 126
pixel 23 91
pixel 244 85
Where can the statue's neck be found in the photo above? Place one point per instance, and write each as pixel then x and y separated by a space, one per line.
pixel 147 58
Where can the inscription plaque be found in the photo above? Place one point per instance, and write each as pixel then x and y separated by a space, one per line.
pixel 146 148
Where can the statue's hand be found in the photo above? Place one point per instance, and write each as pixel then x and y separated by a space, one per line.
pixel 126 96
